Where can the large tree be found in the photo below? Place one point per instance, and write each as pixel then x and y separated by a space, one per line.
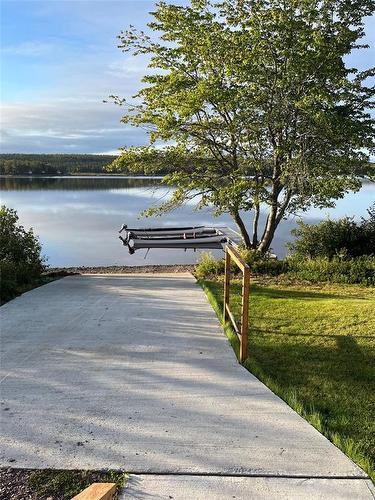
pixel 255 104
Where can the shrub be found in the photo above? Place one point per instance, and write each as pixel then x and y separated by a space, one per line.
pixel 208 266
pixel 368 226
pixel 329 238
pixel 263 264
pixel 21 262
pixel 326 239
pixel 336 270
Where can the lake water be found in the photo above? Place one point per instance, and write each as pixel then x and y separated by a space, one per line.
pixel 77 218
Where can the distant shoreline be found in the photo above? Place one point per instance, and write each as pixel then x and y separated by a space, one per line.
pixel 156 268
pixel 365 181
pixel 77 174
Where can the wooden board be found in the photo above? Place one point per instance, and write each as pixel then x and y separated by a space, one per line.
pixel 97 491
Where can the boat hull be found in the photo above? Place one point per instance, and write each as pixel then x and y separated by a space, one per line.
pixel 203 242
pixel 196 237
pixel 146 233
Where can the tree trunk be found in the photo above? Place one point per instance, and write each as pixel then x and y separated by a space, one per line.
pixel 269 231
pixel 255 225
pixel 274 218
pixel 241 226
pixel 265 243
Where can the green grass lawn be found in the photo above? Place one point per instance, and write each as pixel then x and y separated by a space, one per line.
pixel 315 347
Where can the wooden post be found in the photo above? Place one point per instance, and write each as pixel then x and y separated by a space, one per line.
pixel 242 329
pixel 226 284
pixel 244 314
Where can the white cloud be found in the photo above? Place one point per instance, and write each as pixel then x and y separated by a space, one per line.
pixel 29 49
pixel 85 127
pixel 61 134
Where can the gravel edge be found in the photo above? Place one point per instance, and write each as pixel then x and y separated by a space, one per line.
pixel 66 271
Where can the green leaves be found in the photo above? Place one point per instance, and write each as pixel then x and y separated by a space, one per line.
pixel 20 254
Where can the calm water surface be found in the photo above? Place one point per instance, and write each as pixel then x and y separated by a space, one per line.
pixel 77 218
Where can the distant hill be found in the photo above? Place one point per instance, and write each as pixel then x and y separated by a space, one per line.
pixel 53 164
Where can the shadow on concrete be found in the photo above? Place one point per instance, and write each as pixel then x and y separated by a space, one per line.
pixel 134 373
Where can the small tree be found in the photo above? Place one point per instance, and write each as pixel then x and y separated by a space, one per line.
pixel 21 262
pixel 257 105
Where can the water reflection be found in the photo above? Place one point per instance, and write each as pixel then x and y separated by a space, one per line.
pixel 77 217
pixel 76 183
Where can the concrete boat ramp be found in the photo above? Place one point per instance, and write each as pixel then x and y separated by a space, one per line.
pixel 134 372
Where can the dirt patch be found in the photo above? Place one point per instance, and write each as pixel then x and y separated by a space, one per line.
pixel 48 484
pixel 13 484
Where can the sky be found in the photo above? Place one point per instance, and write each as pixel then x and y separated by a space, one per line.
pixel 59 61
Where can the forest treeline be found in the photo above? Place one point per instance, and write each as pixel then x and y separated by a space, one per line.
pixel 66 164
pixel 53 164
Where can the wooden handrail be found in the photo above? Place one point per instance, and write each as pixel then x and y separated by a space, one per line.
pixel 242 331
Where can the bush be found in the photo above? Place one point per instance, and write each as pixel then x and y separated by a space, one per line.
pixel 336 270
pixel 208 266
pixel 263 264
pixel 332 251
pixel 339 251
pixel 21 263
pixel 329 238
pixel 368 226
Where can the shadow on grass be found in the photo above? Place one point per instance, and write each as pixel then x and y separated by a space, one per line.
pixel 280 293
pixel 268 331
pixel 328 379
pixel 319 368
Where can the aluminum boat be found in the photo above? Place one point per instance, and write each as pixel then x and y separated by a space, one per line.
pixel 196 237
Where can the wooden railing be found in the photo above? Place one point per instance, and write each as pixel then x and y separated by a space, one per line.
pixel 242 330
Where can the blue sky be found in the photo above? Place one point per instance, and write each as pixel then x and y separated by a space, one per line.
pixel 59 60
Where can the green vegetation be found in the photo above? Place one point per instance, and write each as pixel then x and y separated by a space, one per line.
pixel 336 270
pixel 208 267
pixel 255 105
pixel 314 347
pixel 263 263
pixel 341 251
pixel 348 270
pixel 53 164
pixel 64 484
pixel 21 263
pixel 64 164
pixel 329 238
